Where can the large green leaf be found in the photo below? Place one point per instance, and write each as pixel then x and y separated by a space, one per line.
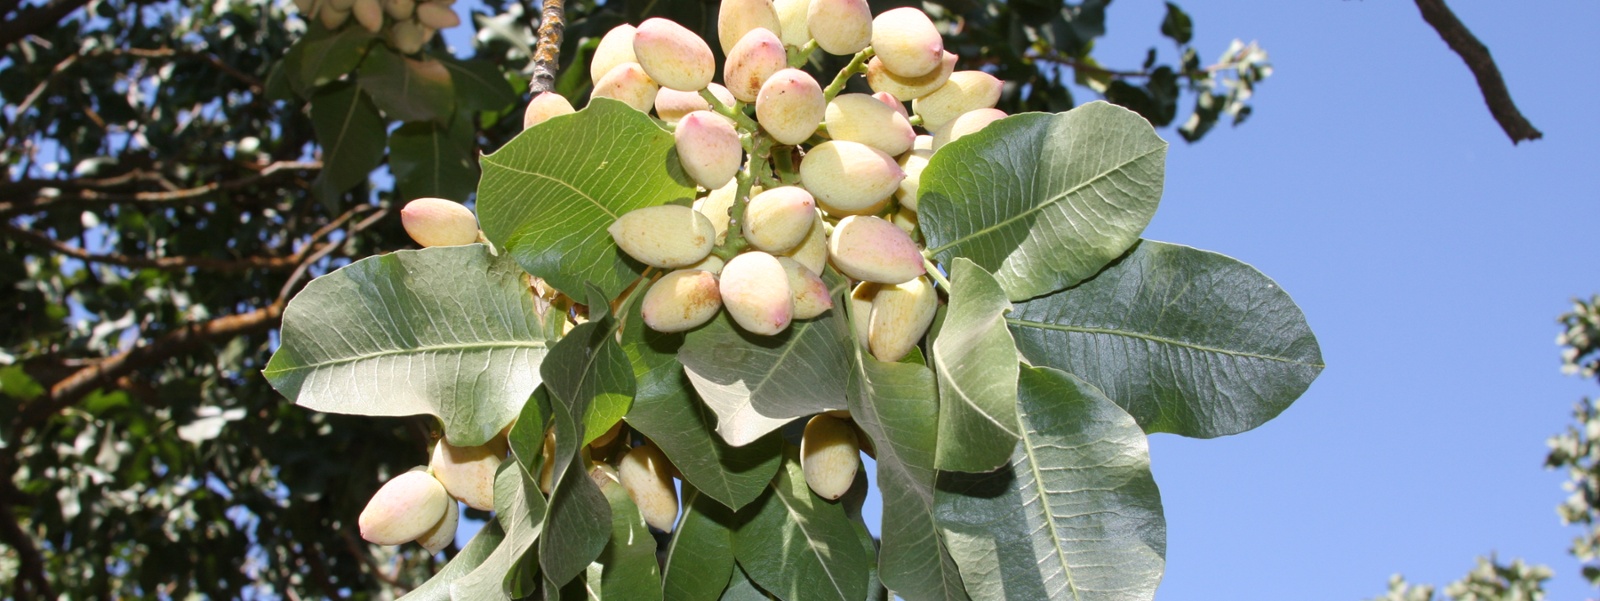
pixel 479 84
pixel 1187 341
pixel 896 405
pixel 1076 515
pixel 408 89
pixel 1043 201
pixel 627 567
pixel 352 136
pixel 478 551
pixel 799 546
pixel 429 159
pixel 519 514
pixel 756 384
pixel 740 588
pixel 447 331
pixel 699 559
pixel 322 56
pixel 549 194
pixel 667 410
pixel 976 362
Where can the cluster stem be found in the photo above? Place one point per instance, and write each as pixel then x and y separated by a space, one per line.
pixel 858 64
pixel 938 276
pixel 738 116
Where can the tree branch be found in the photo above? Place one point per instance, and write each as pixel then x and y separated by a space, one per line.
pixel 1476 55
pixel 51 195
pixel 37 18
pixel 547 55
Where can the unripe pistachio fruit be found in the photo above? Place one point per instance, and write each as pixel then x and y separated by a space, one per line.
pixel 790 106
pixel 792 17
pixel 405 508
pixel 629 83
pixel 913 163
pixel 644 472
pixel 809 293
pixel 901 314
pixel 467 473
pixel 778 220
pixel 672 105
pixel 861 310
pixel 862 118
pixel 829 456
pixel 755 291
pixel 664 236
pixel 966 91
pixel 615 48
pixel 444 532
pixel 369 13
pixel 736 18
pixel 813 251
pixel 711 263
pixel 849 178
pixel 341 4
pixel 869 248
pixel 968 123
pixel 400 10
pixel 333 17
pixel 439 222
pixel 717 207
pixel 606 437
pixel 708 148
pixel 909 88
pixel 543 107
pixel 907 42
pixel 673 56
pixel 894 103
pixel 906 220
pixel 681 300
pixel 751 61
pixel 437 16
pixel 407 36
pixel 840 26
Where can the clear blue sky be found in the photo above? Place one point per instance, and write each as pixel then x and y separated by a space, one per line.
pixel 1431 258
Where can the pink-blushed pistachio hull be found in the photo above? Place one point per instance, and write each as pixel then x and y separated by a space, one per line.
pixel 778 220
pixel 869 248
pixel 672 105
pixel 968 123
pixel 862 118
pixel 645 474
pixel 443 533
pixel 403 509
pixel 369 13
pixel 400 10
pixel 407 36
pixel 912 163
pixel 906 220
pixel 467 473
pixel 849 178
pixel 829 456
pixel 809 294
pixel 861 310
pixel 439 222
pixel 711 263
pixel 543 107
pixel 909 88
pixel 437 16
pixel 840 26
pixel 907 41
pixel 340 4
pixel 790 106
pixel 717 206
pixel 901 314
pixel 333 17
pixel 682 300
pixel 965 91
pixel 629 83
pixel 751 61
pixel 708 148
pixel 615 48
pixel 736 18
pixel 673 56
pixel 894 103
pixel 755 291
pixel 664 236
pixel 813 251
pixel 792 17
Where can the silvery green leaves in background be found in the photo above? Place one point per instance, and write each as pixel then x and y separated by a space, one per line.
pixel 351 133
pixel 976 362
pixel 434 160
pixel 1187 341
pixel 799 546
pixel 1076 515
pixel 549 194
pixel 408 89
pixel 756 384
pixel 447 331
pixel 1043 201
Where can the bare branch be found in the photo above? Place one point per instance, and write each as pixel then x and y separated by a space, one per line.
pixel 163 263
pixel 1476 55
pixel 52 195
pixel 547 55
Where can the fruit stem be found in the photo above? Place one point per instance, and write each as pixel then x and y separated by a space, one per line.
pixel 938 276
pixel 783 160
pixel 757 164
pixel 802 55
pixel 916 120
pixel 736 115
pixel 857 65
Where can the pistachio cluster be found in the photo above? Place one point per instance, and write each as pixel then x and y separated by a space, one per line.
pixel 420 505
pixel 407 24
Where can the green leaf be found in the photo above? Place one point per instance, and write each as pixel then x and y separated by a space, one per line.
pixel 1177 25
pixel 1075 516
pixel 756 384
pixel 667 411
pixel 408 89
pixel 433 160
pixel 477 552
pixel 321 57
pixel 352 137
pixel 976 361
pixel 479 84
pixel 1043 201
pixel 519 514
pixel 549 194
pixel 627 566
pixel 1187 341
pixel 699 559
pixel 741 589
pixel 896 405
pixel 447 331
pixel 799 546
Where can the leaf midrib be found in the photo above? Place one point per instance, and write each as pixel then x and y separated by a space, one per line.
pixel 1049 516
pixel 408 351
pixel 1157 339
pixel 799 523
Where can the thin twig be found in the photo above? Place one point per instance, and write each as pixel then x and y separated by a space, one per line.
pixel 547 54
pixel 36 19
pixel 1477 58
pixel 87 195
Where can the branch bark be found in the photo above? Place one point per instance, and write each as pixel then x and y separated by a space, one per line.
pixel 37 18
pixel 1476 55
pixel 547 54
pixel 86 194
